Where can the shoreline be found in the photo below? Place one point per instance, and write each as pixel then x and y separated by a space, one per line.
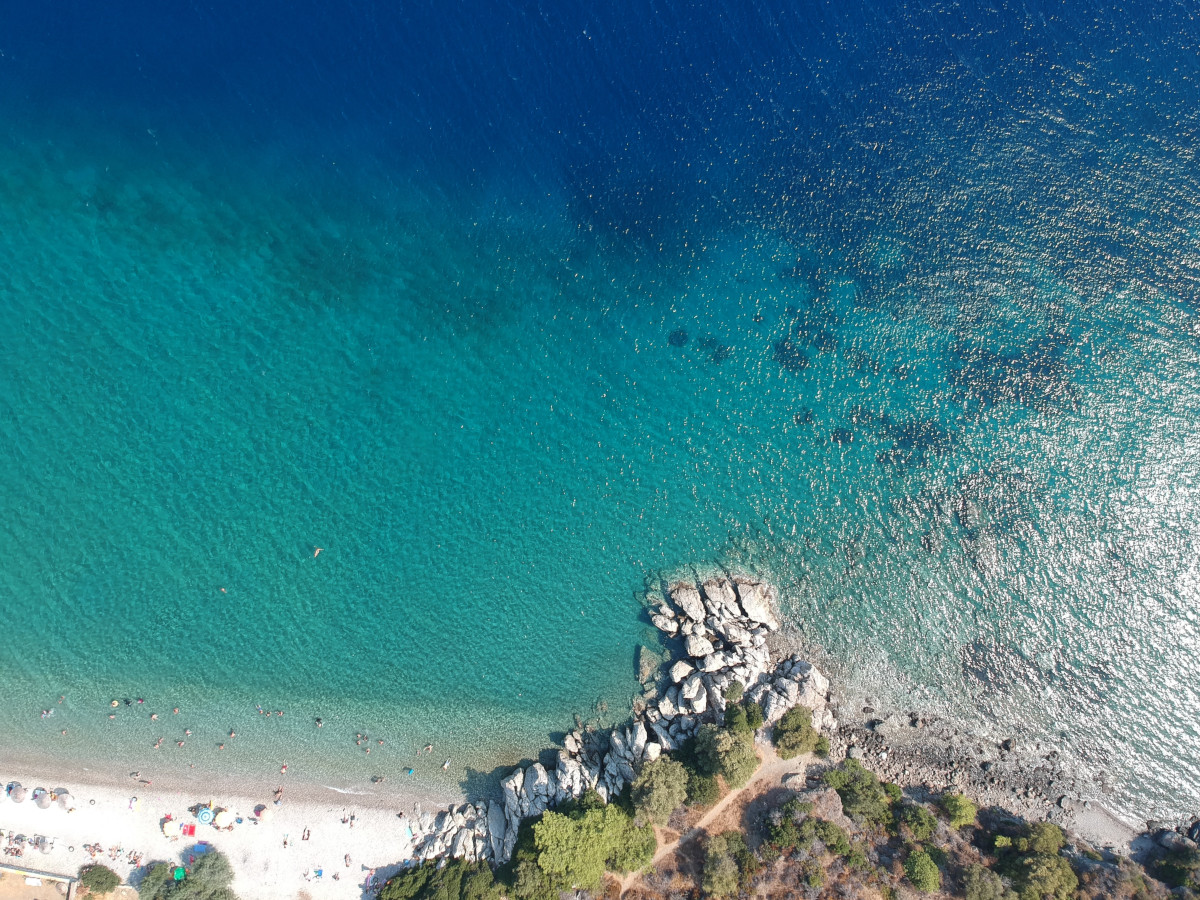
pixel 102 810
pixel 926 752
pixel 398 822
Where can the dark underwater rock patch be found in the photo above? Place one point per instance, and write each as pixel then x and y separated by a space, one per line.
pixel 717 352
pixel 790 355
pixel 678 337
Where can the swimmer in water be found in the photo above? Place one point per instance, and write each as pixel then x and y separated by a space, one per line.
pixel 446 765
pixel 153 717
pixel 428 748
pixel 320 723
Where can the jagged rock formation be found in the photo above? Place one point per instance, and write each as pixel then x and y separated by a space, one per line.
pixel 723 624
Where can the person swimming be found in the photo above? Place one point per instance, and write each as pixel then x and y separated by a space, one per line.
pixel 446 764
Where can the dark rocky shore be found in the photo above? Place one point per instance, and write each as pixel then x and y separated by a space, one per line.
pixel 723 630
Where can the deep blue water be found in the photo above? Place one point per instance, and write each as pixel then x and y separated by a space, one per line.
pixel 515 311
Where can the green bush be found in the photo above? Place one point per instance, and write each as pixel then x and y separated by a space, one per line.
pixel 1043 838
pixel 834 839
pixel 857 859
pixel 983 884
pixel 1043 877
pixel 1180 868
pixel 795 733
pixel 754 715
pixel 1032 862
pixel 735 719
pixel 99 879
pixel 745 718
pixel 702 790
pixel 660 789
pixel 456 880
pixel 864 799
pixel 959 809
pixel 729 866
pixel 726 752
pixel 208 879
pixel 812 873
pixel 822 748
pixel 789 828
pixel 747 863
pixel 892 792
pixel 575 850
pixel 733 693
pixel 922 871
pixel 720 876
pixel 918 820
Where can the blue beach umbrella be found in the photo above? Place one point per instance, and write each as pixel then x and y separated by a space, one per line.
pixel 205 815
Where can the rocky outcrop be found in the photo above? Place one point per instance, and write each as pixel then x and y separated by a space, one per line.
pixel 723 625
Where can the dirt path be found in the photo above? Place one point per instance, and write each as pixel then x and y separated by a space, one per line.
pixel 770 774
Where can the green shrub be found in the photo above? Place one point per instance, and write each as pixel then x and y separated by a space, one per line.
pixel 795 733
pixel 834 839
pixel 959 809
pixel 747 717
pixel 574 851
pixel 735 719
pixel 747 863
pixel 822 748
pixel 892 792
pixel 702 790
pixel 633 850
pixel 1180 868
pixel 918 820
pixel 208 879
pixel 734 693
pixel 99 879
pixel 726 752
pixel 983 884
pixel 754 715
pixel 456 880
pixel 1044 838
pixel 659 789
pixel 922 872
pixel 789 828
pixel 857 859
pixel 720 876
pixel 812 873
pixel 864 799
pixel 1044 877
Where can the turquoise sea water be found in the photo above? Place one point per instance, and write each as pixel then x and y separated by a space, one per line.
pixel 919 343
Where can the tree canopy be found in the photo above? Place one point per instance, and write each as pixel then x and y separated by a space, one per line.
pixel 660 789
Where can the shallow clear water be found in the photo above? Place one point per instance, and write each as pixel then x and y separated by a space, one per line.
pixel 514 315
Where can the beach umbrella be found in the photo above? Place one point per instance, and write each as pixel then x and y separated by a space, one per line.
pixel 263 812
pixel 17 792
pixel 63 798
pixel 205 815
pixel 223 819
pixel 41 797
